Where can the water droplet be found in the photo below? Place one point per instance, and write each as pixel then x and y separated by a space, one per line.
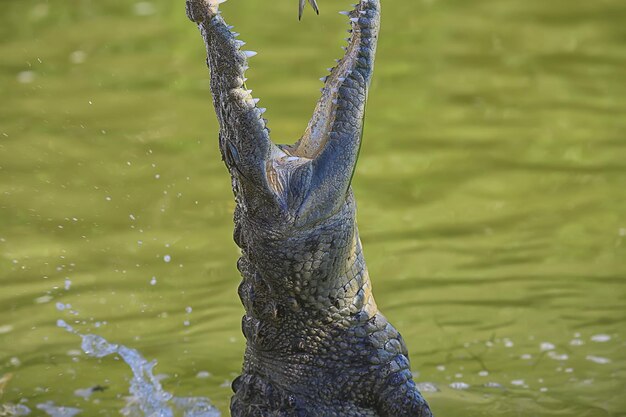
pixel 153 281
pixel 600 338
pixel 558 357
pixel 459 385
pixel 62 324
pixel 40 11
pixel 427 387
pixel 43 299
pixel 598 359
pixel 167 258
pixel 518 382
pixel 58 411
pixel 78 57
pixel 26 77
pixel 144 8
pixel 546 346
pixel 84 393
pixel 7 328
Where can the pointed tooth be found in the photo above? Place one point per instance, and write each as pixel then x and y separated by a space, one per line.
pixel 334 90
pixel 362 12
pixel 335 101
pixel 230 27
pixel 239 43
pixel 248 92
pixel 329 69
pixel 341 79
pixel 354 19
pixel 345 48
pixel 343 12
pixel 249 54
pixel 221 1
pixel 245 79
pixel 262 110
pixel 236 34
pixel 256 100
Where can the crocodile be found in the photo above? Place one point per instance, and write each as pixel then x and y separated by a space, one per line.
pixel 316 343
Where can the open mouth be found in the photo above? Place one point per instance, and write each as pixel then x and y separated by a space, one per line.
pixel 331 141
pixel 338 90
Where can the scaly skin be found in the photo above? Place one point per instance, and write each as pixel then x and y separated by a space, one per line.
pixel 316 343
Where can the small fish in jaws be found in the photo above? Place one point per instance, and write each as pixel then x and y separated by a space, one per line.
pixel 301 9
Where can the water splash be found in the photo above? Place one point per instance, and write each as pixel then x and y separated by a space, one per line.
pixel 148 398
pixel 58 411
pixel 11 410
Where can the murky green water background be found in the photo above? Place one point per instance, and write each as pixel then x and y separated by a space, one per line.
pixel 491 190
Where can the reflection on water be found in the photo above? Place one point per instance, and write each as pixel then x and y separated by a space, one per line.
pixel 490 187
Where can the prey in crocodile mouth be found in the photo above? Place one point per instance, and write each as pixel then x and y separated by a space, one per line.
pixel 317 345
pixel 301 7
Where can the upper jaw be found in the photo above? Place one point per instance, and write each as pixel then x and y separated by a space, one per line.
pixel 331 142
pixel 344 87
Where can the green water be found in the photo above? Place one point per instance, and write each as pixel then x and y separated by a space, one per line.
pixel 491 190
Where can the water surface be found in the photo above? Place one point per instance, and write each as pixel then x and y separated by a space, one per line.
pixel 491 190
